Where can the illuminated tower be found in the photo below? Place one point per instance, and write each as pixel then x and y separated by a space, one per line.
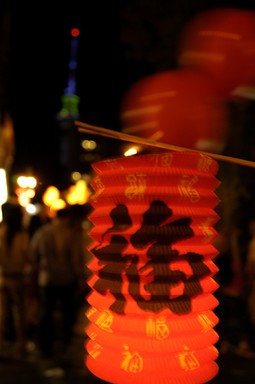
pixel 69 141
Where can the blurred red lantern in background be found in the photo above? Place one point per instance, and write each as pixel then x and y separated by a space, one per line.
pixel 151 301
pixel 221 42
pixel 179 107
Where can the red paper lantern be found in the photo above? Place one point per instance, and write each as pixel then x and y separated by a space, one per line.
pixel 221 43
pixel 151 316
pixel 178 107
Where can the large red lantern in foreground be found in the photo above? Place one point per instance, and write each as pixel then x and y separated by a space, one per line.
pixel 151 316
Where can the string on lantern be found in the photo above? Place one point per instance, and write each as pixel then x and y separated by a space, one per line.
pixel 151 316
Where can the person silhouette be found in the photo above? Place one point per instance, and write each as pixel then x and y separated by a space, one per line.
pixel 57 253
pixel 14 246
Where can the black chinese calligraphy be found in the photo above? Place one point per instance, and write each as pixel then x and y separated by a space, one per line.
pixel 156 236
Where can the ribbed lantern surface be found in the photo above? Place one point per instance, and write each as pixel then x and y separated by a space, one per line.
pixel 151 302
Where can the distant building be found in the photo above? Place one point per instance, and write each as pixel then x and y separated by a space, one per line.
pixel 76 152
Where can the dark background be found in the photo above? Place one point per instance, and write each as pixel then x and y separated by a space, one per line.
pixel 120 42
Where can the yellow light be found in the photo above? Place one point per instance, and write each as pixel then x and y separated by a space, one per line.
pixel 50 195
pixel 3 187
pixel 58 204
pixel 31 182
pixel 27 182
pixel 3 191
pixel 78 193
pixel 24 195
pixel 32 209
pixel 76 176
pixel 130 152
pixel 22 181
pixel 89 145
pixel 30 193
pixel 23 199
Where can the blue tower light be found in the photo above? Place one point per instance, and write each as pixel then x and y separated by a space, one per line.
pixel 70 100
pixel 71 84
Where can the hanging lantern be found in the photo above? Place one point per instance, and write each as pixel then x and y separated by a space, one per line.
pixel 180 107
pixel 221 43
pixel 151 302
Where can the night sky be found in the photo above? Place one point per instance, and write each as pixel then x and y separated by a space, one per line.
pixel 112 55
pixel 40 52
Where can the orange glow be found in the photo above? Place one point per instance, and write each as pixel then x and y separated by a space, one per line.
pixel 151 301
pixel 145 324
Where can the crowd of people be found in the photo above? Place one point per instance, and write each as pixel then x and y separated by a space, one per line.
pixel 43 272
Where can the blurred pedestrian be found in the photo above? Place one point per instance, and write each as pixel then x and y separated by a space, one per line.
pixel 82 225
pixel 31 286
pixel 35 222
pixel 14 243
pixel 58 256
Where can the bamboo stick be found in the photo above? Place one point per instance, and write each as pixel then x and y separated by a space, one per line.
pixel 88 128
